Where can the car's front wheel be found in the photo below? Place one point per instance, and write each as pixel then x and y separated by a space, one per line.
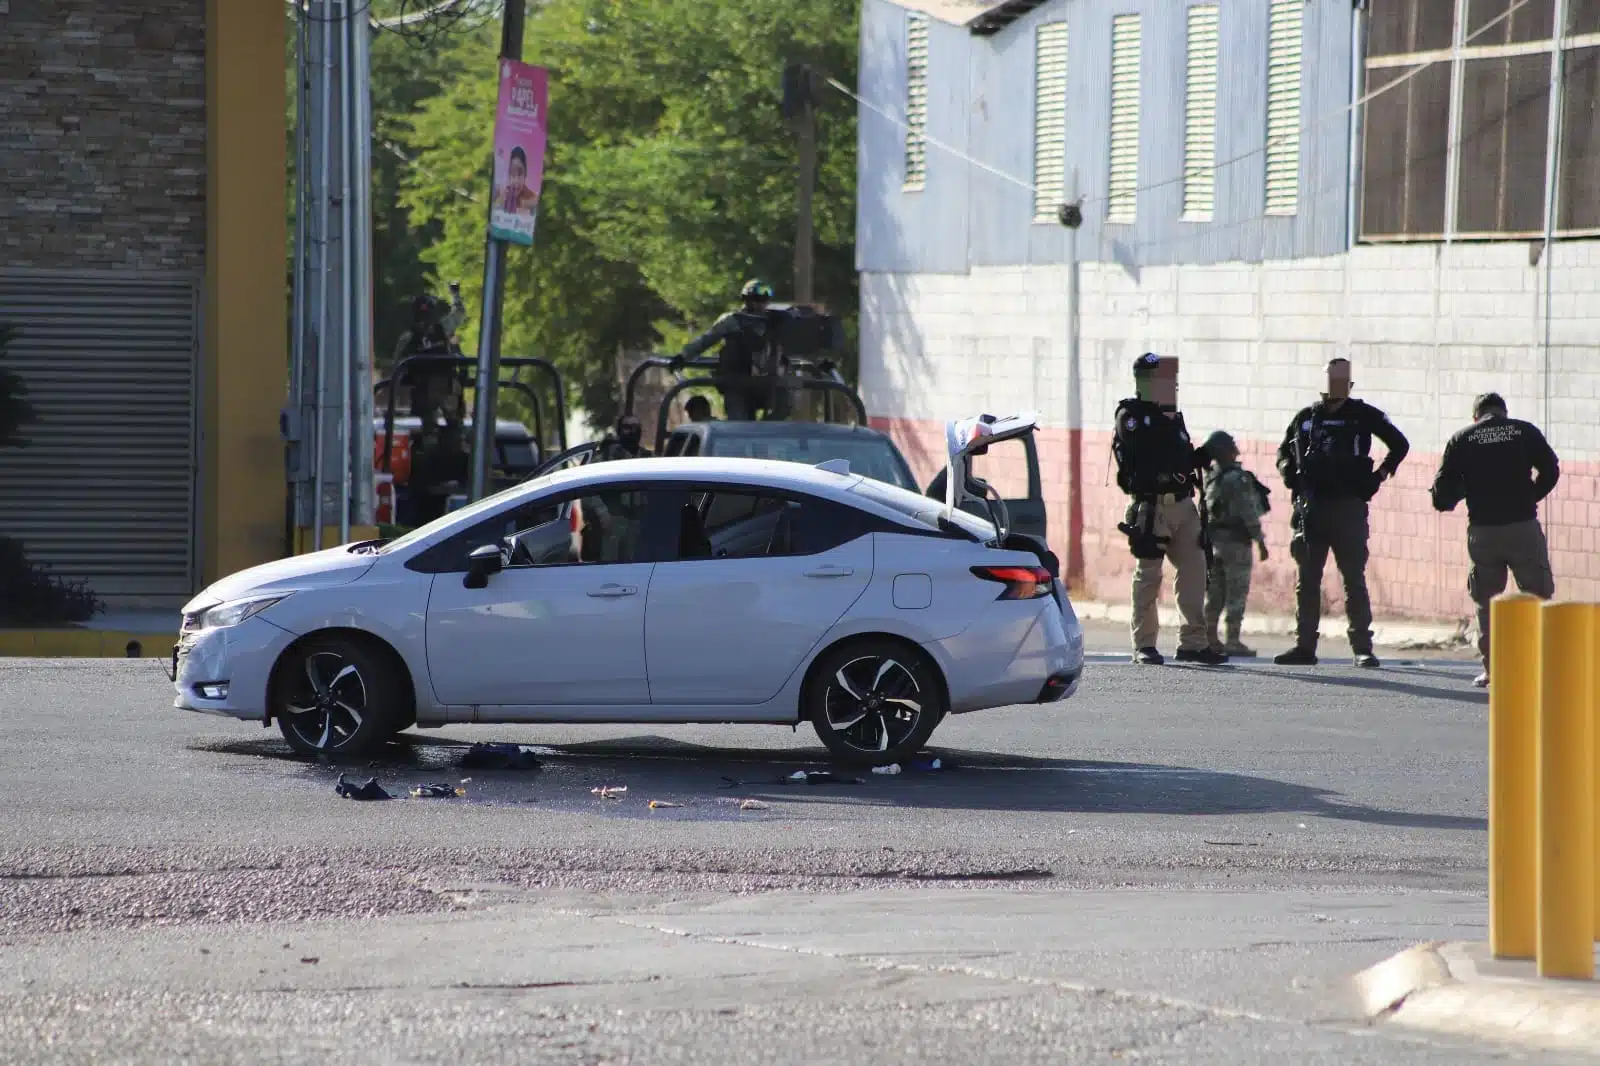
pixel 336 696
pixel 874 701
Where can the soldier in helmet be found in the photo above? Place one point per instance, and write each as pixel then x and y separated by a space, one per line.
pixel 1234 500
pixel 1157 467
pixel 746 337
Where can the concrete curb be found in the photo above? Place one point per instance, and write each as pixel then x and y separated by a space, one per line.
pixel 1388 634
pixel 1436 987
pixel 84 643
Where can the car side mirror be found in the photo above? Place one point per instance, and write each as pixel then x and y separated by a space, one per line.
pixel 482 564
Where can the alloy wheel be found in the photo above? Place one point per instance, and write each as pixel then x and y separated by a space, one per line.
pixel 328 705
pixel 873 703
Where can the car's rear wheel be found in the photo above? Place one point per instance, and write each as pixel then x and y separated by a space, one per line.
pixel 874 701
pixel 336 696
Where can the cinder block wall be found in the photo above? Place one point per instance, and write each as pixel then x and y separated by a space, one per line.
pixel 1427 327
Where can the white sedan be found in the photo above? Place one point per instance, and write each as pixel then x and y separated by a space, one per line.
pixel 651 590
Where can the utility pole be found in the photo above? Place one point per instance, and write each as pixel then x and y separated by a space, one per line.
pixel 1070 215
pixel 494 281
pixel 800 107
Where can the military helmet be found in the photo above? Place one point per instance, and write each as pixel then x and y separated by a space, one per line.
pixel 1146 364
pixel 756 289
pixel 1221 440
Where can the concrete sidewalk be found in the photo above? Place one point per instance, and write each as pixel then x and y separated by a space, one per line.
pixel 1387 633
pixel 1460 989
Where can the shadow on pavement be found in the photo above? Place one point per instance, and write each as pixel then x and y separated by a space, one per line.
pixel 703 778
pixel 1375 681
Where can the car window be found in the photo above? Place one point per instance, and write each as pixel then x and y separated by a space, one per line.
pixel 675 444
pixel 601 527
pixel 744 524
pixel 868 455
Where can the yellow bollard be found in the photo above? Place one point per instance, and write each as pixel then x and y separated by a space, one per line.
pixel 1566 793
pixel 1513 776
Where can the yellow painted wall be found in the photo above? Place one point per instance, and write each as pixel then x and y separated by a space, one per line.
pixel 244 363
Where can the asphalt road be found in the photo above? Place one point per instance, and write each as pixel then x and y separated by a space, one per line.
pixel 1181 865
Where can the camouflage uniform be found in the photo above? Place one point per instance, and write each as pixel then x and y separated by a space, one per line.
pixel 1235 512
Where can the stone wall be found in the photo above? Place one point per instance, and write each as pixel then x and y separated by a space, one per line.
pixel 1427 327
pixel 103 132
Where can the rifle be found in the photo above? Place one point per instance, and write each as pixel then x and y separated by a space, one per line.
pixel 1205 521
pixel 1143 543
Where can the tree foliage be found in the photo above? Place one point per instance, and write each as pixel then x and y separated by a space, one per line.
pixel 669 177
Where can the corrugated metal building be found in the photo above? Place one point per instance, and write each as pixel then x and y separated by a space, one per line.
pixel 1265 184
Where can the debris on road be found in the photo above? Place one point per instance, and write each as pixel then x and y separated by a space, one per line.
pixel 500 757
pixel 892 768
pixel 927 765
pixel 371 790
pixel 609 792
pixel 752 805
pixel 311 959
pixel 819 777
pixel 657 804
pixel 441 790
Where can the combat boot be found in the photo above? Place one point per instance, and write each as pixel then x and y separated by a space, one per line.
pixel 1297 656
pixel 1237 649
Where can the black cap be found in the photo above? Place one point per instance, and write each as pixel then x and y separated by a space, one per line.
pixel 1146 364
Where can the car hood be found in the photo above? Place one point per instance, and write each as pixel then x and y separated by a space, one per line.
pixel 323 569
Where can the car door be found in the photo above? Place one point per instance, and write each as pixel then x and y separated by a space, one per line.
pixel 1012 467
pixel 758 578
pixel 563 623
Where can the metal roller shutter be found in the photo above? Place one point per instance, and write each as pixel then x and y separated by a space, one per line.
pixel 104 492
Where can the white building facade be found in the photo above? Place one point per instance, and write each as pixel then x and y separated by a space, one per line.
pixel 1265 185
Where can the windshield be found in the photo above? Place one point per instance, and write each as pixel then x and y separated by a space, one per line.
pixel 488 503
pixel 923 509
pixel 870 456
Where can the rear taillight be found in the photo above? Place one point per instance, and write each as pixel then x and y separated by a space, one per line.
pixel 1021 582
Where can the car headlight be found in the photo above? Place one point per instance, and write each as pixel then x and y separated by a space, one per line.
pixel 235 611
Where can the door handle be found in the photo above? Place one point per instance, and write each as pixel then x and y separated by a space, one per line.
pixel 612 591
pixel 831 570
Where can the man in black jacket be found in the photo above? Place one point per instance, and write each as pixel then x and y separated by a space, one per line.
pixel 1326 463
pixel 1503 467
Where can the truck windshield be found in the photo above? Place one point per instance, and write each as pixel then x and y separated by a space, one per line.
pixel 869 456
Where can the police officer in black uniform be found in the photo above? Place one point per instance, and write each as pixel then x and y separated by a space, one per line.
pixel 1503 467
pixel 1326 463
pixel 625 442
pixel 1158 467
pixel 746 337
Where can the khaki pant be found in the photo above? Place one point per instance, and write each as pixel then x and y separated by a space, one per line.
pixel 1519 547
pixel 1339 526
pixel 1178 520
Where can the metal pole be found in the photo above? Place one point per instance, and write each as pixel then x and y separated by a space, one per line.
pixel 1513 776
pixel 302 164
pixel 1552 179
pixel 1565 836
pixel 361 500
pixel 346 262
pixel 1452 165
pixel 806 130
pixel 494 267
pixel 323 207
pixel 1074 408
pixel 1353 193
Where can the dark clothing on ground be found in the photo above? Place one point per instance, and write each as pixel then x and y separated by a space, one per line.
pixel 1339 526
pixel 1327 452
pixel 1518 547
pixel 1489 465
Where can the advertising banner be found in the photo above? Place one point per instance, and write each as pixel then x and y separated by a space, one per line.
pixel 519 139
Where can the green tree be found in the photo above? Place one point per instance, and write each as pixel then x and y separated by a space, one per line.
pixel 669 175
